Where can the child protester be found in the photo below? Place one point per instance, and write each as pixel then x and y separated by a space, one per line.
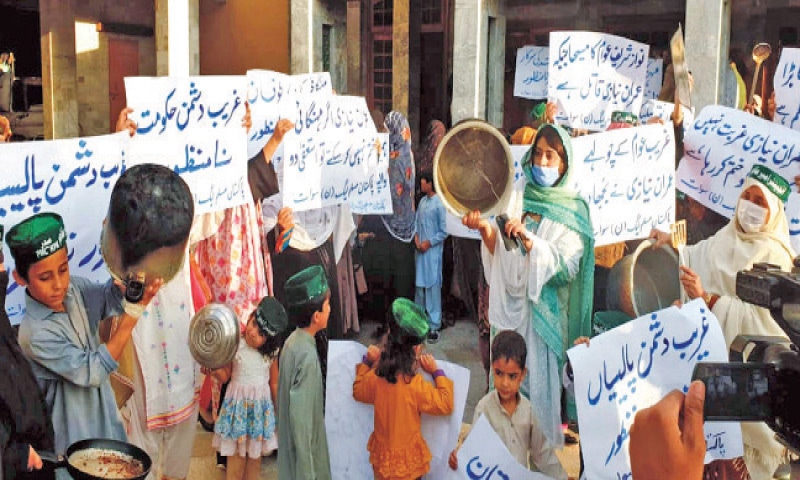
pixel 510 414
pixel 401 395
pixel 245 429
pixel 59 332
pixel 303 443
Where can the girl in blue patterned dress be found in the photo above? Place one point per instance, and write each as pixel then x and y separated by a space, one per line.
pixel 245 429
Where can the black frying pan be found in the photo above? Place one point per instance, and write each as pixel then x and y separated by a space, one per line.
pixel 53 461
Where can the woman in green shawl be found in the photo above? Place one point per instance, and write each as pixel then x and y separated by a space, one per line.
pixel 545 292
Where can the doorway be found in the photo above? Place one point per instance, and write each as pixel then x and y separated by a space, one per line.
pixel 123 61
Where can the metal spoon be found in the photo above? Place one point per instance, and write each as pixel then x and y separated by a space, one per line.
pixel 761 52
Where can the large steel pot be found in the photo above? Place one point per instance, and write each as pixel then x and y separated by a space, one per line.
pixel 214 335
pixel 473 169
pixel 644 281
pixel 93 450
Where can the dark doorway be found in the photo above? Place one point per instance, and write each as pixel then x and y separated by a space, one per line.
pixel 433 84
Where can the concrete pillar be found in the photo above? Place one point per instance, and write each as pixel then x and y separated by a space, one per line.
pixel 302 39
pixel 59 81
pixel 177 37
pixel 468 34
pixel 478 61
pixel 354 48
pixel 707 38
pixel 400 56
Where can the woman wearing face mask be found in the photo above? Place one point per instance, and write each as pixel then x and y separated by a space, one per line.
pixel 758 232
pixel 544 293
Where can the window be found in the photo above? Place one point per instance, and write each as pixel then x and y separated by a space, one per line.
pixel 431 12
pixel 326 47
pixel 382 74
pixel 382 11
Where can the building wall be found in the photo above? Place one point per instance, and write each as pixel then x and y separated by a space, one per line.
pixel 324 13
pixel 78 102
pixel 239 35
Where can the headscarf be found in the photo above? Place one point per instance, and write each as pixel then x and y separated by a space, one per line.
pixel 436 131
pixel 562 204
pixel 401 178
pixel 717 260
pixel 523 136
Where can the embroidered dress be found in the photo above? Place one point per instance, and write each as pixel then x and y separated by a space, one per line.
pixel 246 423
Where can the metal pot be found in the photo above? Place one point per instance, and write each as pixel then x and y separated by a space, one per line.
pixel 214 335
pixel 644 281
pixel 473 169
pixel 106 445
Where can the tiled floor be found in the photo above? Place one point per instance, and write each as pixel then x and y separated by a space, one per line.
pixel 458 344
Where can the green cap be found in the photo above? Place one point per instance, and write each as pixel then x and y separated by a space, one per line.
pixel 538 111
pixel 305 286
pixel 624 119
pixel 36 238
pixel 774 182
pixel 271 316
pixel 411 318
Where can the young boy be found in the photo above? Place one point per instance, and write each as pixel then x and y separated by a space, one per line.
pixel 59 332
pixel 509 413
pixel 302 443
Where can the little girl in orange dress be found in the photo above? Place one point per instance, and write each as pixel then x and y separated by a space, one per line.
pixel 400 395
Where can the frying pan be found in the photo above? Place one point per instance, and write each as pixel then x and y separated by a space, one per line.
pixel 53 461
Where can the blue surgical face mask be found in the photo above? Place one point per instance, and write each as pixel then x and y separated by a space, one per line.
pixel 545 176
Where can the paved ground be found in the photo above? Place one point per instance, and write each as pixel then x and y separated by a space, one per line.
pixel 458 344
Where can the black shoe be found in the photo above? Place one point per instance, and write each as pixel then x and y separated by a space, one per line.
pixel 570 439
pixel 433 337
pixel 207 426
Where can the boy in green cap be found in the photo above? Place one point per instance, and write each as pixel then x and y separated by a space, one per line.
pixel 59 332
pixel 302 443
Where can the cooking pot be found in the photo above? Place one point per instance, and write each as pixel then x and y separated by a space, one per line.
pixel 214 335
pixel 644 281
pixel 106 446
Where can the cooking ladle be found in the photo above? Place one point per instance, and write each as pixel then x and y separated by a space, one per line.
pixel 761 52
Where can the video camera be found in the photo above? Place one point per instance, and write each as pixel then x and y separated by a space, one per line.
pixel 761 387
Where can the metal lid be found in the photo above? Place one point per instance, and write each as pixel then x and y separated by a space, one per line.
pixel 214 335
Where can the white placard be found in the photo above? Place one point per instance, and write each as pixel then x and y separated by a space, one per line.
pixel 268 93
pixel 628 178
pixel 73 178
pixel 631 368
pixel 787 89
pixel 484 456
pixel 530 76
pixel 663 110
pixel 212 161
pixel 335 155
pixel 793 215
pixel 655 77
pixel 722 146
pixel 594 74
pixel 163 106
pixel 349 429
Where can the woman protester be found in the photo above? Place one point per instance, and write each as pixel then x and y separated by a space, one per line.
pixel 758 232
pixel 544 292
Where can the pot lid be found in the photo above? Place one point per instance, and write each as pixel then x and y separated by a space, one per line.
pixel 214 335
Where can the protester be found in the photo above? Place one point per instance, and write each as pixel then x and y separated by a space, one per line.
pixel 431 231
pixel 59 332
pixel 5 129
pixel 246 429
pixel 427 151
pixel 545 292
pixel 303 443
pixel 400 224
pixel 401 395
pixel 25 427
pixel 667 441
pixel 509 413
pixel 758 232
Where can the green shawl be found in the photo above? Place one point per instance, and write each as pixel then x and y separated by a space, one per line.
pixel 562 204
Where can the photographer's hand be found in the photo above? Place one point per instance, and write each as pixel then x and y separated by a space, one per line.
pixel 667 440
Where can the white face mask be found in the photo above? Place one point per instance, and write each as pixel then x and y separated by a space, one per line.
pixel 751 216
